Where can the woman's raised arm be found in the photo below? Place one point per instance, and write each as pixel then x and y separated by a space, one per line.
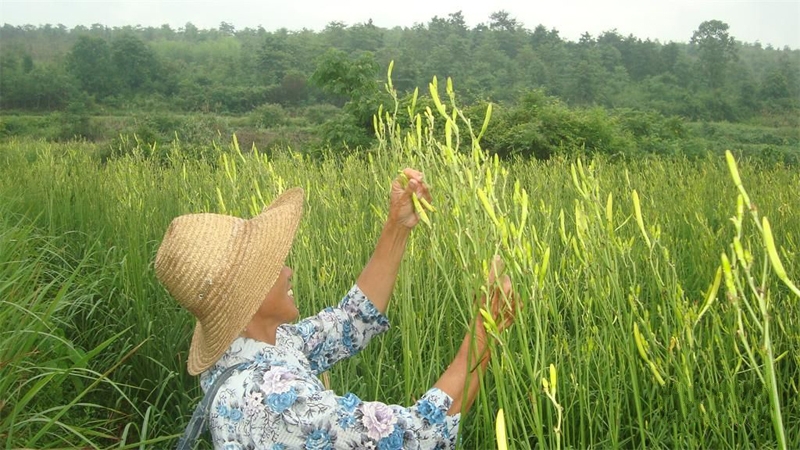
pixel 461 379
pixel 379 275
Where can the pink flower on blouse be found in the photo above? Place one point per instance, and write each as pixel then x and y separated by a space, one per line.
pixel 379 420
pixel 277 380
pixel 254 403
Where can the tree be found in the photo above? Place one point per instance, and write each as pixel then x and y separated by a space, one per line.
pixel 356 80
pixel 490 70
pixel 457 22
pixel 364 37
pixel 340 76
pixel 134 62
pixel 445 42
pixel 227 29
pixel 779 88
pixel 293 88
pixel 641 58
pixel 190 31
pixel 542 37
pixel 502 20
pixel 89 62
pixel 586 77
pixel 27 63
pixel 508 32
pixel 275 57
pixel 670 53
pixel 42 88
pixel 166 32
pixel 335 33
pixel 716 48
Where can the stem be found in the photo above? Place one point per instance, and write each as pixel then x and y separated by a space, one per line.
pixel 772 388
pixel 636 393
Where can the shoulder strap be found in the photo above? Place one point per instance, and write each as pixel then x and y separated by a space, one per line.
pixel 198 421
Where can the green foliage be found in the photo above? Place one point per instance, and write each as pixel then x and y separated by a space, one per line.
pixel 762 145
pixel 780 88
pixel 715 48
pixel 341 77
pixel 136 71
pixel 294 88
pixel 49 379
pixel 275 58
pixel 354 81
pixel 319 114
pixel 90 63
pixel 16 125
pixel 76 123
pixel 542 127
pixel 345 133
pixel 269 115
pixel 43 87
pixel 72 124
pixel 651 131
pixel 135 64
pixel 228 71
pixel 155 136
pixel 225 99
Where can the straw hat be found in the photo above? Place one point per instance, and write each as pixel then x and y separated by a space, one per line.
pixel 221 268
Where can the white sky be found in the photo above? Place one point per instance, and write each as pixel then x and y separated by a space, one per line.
pixel 775 22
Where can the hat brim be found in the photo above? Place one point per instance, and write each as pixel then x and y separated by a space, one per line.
pixel 257 256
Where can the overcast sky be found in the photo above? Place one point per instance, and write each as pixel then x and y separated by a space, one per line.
pixel 775 22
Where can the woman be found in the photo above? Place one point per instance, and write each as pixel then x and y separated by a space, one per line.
pixel 229 273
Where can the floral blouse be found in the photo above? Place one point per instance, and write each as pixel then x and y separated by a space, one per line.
pixel 277 402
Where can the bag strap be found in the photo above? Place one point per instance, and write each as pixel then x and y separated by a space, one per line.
pixel 201 412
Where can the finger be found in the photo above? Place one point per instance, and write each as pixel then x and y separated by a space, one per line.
pixel 412 186
pixel 398 184
pixel 413 174
pixel 505 283
pixel 495 267
pixel 424 192
pixel 509 311
pixel 480 300
pixel 518 303
pixel 496 305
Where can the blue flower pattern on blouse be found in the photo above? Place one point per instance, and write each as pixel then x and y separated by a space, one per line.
pixel 278 403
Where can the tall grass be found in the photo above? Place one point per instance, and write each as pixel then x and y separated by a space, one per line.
pixel 49 380
pixel 621 301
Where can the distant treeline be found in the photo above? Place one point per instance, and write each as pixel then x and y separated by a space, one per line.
pixel 138 87
pixel 225 70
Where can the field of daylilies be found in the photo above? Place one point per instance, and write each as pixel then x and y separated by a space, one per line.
pixel 661 307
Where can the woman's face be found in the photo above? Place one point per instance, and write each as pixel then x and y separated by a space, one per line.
pixel 279 304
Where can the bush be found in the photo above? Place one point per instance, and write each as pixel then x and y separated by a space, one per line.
pixel 344 132
pixel 319 114
pixel 542 127
pixel 268 115
pixel 201 129
pixel 23 125
pixel 652 131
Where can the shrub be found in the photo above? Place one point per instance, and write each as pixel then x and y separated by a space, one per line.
pixel 268 115
pixel 319 114
pixel 543 127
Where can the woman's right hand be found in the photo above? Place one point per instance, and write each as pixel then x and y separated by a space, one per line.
pixel 502 303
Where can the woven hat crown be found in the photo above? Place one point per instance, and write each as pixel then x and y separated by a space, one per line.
pixel 220 268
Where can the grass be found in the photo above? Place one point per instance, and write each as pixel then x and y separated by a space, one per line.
pixel 79 237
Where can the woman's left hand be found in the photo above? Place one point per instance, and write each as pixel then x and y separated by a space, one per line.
pixel 401 205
